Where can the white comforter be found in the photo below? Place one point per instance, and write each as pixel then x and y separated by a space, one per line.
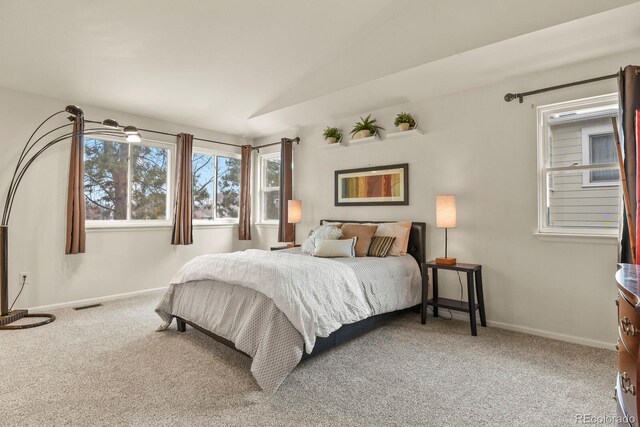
pixel 317 295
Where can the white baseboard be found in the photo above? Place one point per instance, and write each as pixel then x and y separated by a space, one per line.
pixel 95 300
pixel 464 317
pixel 457 315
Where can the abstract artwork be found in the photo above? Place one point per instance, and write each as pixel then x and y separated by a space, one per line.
pixel 373 186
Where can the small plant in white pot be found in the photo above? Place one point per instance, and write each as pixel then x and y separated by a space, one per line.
pixel 365 128
pixel 404 122
pixel 332 135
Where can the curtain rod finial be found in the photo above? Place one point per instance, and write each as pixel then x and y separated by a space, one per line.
pixel 509 97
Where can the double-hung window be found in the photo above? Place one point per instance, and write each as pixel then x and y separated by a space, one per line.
pixel 578 171
pixel 126 183
pixel 216 187
pixel 269 188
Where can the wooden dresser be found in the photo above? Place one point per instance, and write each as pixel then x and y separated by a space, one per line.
pixel 628 302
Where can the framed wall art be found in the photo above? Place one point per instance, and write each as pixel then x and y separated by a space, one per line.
pixel 373 186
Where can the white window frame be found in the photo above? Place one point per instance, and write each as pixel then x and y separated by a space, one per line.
pixel 592 104
pixel 587 133
pixel 216 154
pixel 129 223
pixel 263 158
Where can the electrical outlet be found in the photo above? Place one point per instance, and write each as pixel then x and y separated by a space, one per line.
pixel 26 277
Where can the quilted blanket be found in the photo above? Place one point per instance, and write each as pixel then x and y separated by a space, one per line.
pixel 317 295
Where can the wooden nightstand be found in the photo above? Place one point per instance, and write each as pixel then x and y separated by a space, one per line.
pixel 466 306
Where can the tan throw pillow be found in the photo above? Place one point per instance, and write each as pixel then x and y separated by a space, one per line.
pixel 399 230
pixel 364 233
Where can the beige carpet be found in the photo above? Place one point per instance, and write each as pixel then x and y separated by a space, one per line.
pixel 107 366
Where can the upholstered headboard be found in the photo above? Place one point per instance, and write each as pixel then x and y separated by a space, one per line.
pixel 417 237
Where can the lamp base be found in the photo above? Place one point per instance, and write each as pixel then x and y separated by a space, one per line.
pixel 13 316
pixel 446 261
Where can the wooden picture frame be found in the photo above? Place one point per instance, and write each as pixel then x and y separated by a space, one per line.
pixel 372 186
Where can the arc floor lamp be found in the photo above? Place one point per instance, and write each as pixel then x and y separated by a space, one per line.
pixel 31 151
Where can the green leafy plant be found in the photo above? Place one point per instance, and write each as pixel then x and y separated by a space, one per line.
pixel 330 132
pixel 366 124
pixel 405 118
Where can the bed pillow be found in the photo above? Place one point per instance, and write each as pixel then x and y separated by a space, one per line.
pixel 399 230
pixel 328 232
pixel 345 248
pixel 363 232
pixel 380 246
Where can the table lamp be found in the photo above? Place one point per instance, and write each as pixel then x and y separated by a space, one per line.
pixel 294 215
pixel 446 218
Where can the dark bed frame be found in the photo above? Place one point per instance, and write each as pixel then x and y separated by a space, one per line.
pixel 417 245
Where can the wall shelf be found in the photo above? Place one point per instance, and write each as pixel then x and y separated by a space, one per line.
pixel 366 140
pixel 339 143
pixel 404 134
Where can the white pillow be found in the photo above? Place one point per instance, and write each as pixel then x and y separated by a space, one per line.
pixel 345 248
pixel 327 232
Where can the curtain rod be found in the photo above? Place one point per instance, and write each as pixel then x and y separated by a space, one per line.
pixel 511 96
pixel 297 140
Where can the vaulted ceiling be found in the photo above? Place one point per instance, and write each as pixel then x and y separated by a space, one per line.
pixel 255 67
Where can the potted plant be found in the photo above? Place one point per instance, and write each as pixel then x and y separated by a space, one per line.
pixel 404 122
pixel 365 128
pixel 332 135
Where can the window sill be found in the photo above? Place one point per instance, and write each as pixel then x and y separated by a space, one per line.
pixel 599 239
pixel 215 224
pixel 267 224
pixel 128 226
pixel 91 228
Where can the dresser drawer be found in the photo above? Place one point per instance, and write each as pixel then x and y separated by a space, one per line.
pixel 627 381
pixel 628 326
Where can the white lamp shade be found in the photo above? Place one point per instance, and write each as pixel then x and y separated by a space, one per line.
pixel 295 211
pixel 446 211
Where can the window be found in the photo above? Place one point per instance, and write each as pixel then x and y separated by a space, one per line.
pixel 579 177
pixel 216 187
pixel 599 146
pixel 126 182
pixel 270 188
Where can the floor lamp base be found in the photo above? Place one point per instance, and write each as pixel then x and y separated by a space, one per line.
pixel 13 316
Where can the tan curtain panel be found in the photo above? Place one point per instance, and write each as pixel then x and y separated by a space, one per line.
pixel 244 222
pixel 285 230
pixel 75 243
pixel 182 233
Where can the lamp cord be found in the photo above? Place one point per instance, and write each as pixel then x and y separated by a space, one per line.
pixel 461 295
pixel 24 282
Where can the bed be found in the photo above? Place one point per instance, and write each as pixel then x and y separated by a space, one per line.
pixel 282 307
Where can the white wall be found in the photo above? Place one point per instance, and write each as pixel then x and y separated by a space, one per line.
pixel 116 261
pixel 483 150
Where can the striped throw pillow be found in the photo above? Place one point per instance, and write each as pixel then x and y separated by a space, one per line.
pixel 380 246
